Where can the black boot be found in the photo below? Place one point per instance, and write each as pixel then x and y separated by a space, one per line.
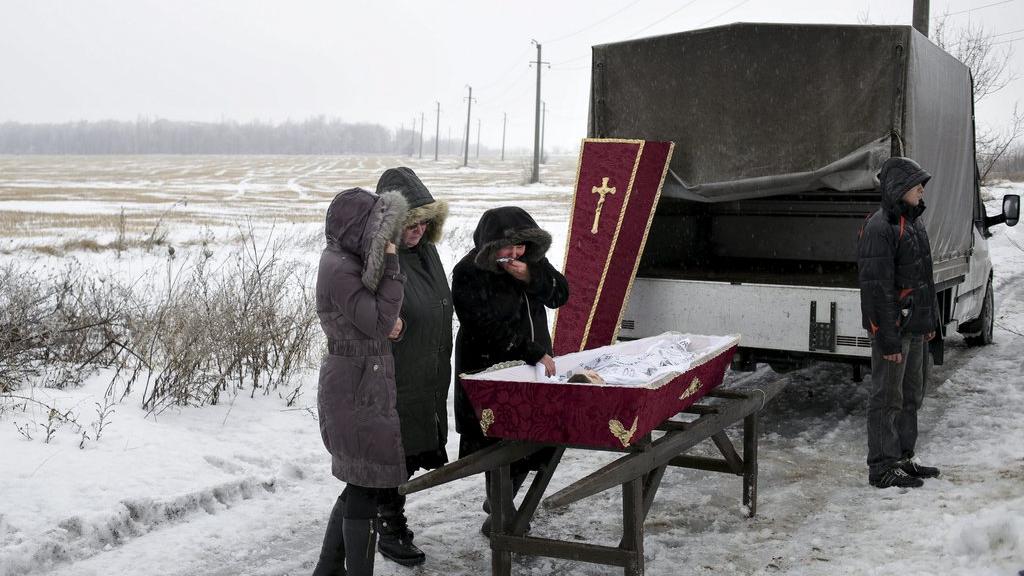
pixel 895 476
pixel 360 539
pixel 332 553
pixel 916 470
pixel 395 537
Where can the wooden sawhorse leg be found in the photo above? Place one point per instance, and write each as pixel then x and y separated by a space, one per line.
pixel 750 432
pixel 633 514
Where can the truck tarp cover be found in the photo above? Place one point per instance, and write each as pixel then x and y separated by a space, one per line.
pixel 762 110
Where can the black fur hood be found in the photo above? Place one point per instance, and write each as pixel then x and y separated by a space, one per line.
pixel 508 226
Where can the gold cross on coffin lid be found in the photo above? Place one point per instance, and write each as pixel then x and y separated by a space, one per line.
pixel 603 189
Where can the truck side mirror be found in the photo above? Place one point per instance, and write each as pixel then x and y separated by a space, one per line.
pixel 1011 209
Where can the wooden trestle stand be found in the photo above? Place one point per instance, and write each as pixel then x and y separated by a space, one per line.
pixel 639 471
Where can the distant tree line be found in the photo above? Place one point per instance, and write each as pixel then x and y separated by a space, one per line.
pixel 317 135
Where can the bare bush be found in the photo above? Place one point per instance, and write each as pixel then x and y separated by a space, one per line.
pixel 59 327
pixel 247 324
pixel 250 326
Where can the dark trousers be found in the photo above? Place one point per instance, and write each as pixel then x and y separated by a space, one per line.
pixel 897 392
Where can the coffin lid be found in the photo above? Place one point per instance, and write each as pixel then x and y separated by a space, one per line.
pixel 618 185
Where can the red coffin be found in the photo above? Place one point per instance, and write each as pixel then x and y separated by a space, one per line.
pixel 511 403
pixel 618 185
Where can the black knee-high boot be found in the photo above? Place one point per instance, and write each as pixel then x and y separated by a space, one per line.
pixel 332 553
pixel 360 540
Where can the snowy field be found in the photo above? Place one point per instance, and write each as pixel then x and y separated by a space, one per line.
pixel 244 487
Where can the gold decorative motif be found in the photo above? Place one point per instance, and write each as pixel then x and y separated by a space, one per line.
pixel 620 432
pixel 486 419
pixel 691 389
pixel 602 190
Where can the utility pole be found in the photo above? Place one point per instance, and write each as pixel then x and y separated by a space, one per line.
pixel 469 110
pixel 504 122
pixel 412 143
pixel 543 131
pixel 437 130
pixel 535 177
pixel 421 135
pixel 477 138
pixel 398 138
pixel 921 9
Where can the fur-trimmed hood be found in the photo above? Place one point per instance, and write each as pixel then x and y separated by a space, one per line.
pixel 422 205
pixel 362 223
pixel 508 226
pixel 897 176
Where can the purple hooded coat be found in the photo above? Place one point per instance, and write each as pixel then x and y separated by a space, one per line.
pixel 358 297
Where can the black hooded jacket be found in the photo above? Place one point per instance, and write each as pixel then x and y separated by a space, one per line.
pixel 501 318
pixel 423 368
pixel 894 261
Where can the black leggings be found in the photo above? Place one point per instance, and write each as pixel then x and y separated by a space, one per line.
pixel 360 502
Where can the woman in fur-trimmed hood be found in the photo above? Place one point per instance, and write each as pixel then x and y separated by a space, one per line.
pixel 358 296
pixel 502 288
pixel 423 353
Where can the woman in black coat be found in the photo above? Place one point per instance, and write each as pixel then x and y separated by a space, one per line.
pixel 501 290
pixel 422 354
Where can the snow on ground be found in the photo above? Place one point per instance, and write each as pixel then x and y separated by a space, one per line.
pixel 244 487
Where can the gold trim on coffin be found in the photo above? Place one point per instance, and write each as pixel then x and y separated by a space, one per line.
pixel 486 419
pixel 620 432
pixel 643 242
pixel 572 207
pixel 611 251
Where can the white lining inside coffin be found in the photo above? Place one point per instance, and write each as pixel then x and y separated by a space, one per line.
pixel 705 347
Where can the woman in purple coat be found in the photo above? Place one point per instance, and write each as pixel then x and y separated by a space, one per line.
pixel 359 291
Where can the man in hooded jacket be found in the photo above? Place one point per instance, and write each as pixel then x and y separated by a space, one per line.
pixel 900 311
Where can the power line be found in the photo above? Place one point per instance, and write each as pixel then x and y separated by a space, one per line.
pixel 506 73
pixel 975 8
pixel 601 21
pixel 726 12
pixel 1008 41
pixel 634 34
pixel 663 18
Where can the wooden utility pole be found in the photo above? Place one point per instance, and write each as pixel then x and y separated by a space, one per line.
pixel 504 122
pixel 437 130
pixel 477 138
pixel 921 10
pixel 421 135
pixel 535 177
pixel 412 143
pixel 543 131
pixel 469 110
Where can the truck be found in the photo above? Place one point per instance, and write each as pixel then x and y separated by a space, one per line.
pixel 780 130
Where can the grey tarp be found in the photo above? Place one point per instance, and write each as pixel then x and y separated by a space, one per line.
pixel 761 110
pixel 939 134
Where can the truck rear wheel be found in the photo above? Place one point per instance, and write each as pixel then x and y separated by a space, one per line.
pixel 986 320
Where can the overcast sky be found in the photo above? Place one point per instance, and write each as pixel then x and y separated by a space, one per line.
pixel 380 61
